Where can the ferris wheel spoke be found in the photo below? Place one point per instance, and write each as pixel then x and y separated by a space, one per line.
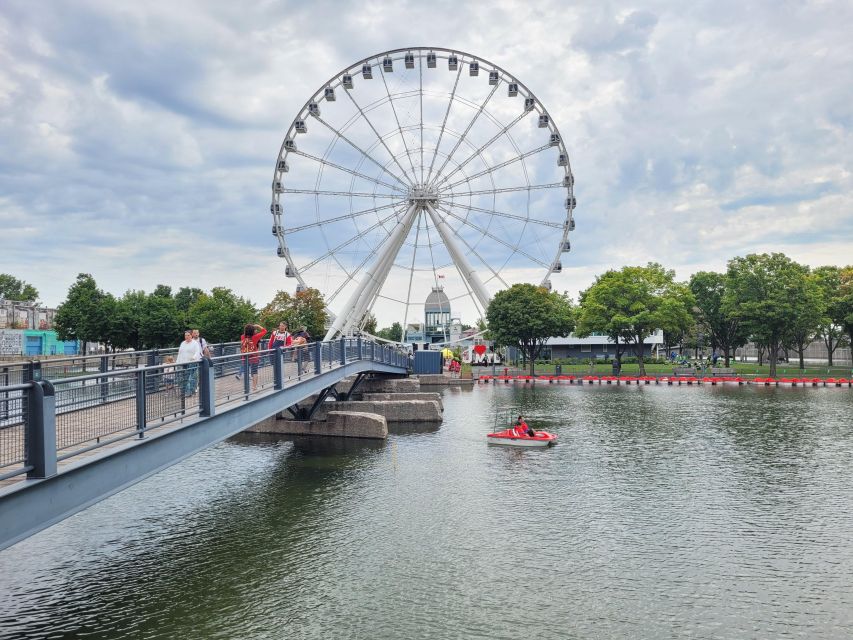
pixel 444 124
pixel 482 148
pixel 412 272
pixel 467 129
pixel 399 128
pixel 483 261
pixel 346 216
pixel 355 194
pixel 379 137
pixel 532 187
pixel 352 172
pixel 497 239
pixel 362 151
pixel 501 165
pixel 512 216
pixel 421 82
pixel 358 236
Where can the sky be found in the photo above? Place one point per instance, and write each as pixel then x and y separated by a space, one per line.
pixel 139 139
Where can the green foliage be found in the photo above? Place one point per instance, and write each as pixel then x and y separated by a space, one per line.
pixel 368 323
pixel 394 332
pixel 629 305
pixel 160 322
pixel 770 294
pixel 186 297
pixel 13 289
pixel 162 291
pixel 220 316
pixel 526 316
pixel 304 308
pixel 829 329
pixel 86 314
pixel 725 331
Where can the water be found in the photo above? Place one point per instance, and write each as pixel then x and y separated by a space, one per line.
pixel 664 512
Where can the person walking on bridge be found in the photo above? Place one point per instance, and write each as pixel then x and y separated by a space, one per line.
pixel 189 353
pixel 249 344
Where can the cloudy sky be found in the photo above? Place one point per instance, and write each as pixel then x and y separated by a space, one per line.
pixel 139 139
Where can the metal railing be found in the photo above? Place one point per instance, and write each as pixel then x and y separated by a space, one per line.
pixel 58 368
pixel 43 422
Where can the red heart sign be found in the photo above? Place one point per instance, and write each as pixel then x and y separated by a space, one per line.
pixel 479 349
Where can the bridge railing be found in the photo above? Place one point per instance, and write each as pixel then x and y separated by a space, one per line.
pixel 43 422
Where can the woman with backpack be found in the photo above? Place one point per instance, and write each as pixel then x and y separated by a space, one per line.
pixel 249 344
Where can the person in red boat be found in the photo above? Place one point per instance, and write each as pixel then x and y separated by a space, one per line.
pixel 521 428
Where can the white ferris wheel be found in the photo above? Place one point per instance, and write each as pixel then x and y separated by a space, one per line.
pixel 418 169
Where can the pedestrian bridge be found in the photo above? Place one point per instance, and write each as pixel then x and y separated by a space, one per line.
pixel 69 438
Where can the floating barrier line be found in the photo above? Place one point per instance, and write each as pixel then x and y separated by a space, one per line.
pixel 667 380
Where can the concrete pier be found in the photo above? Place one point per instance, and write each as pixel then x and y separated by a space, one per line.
pixel 340 424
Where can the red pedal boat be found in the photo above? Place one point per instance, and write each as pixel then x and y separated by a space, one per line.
pixel 509 438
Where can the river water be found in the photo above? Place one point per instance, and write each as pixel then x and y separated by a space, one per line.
pixel 664 512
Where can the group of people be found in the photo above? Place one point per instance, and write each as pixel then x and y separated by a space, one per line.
pixel 190 353
pixel 250 344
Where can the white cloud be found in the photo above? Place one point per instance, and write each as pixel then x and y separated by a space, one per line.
pixel 139 142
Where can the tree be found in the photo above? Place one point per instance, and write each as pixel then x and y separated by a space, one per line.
pixel 726 331
pixel 86 313
pixel 526 316
pixel 368 323
pixel 187 297
pixel 304 308
pixel 631 304
pixel 843 308
pixel 393 333
pixel 126 320
pixel 768 293
pixel 829 330
pixel 803 331
pixel 160 322
pixel 13 289
pixel 220 316
pixel 162 291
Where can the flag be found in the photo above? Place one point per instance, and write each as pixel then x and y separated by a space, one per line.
pixel 441 275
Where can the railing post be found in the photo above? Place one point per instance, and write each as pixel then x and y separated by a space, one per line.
pixel 103 367
pixel 247 372
pixel 207 389
pixel 41 430
pixel 218 350
pixel 277 370
pixel 300 353
pixel 141 413
pixel 360 345
pixel 343 350
pixel 318 352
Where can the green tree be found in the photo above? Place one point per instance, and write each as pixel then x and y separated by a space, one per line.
pixel 394 332
pixel 804 330
pixel 86 313
pixel 842 310
pixel 726 331
pixel 629 305
pixel 220 316
pixel 161 323
pixel 368 323
pixel 185 298
pixel 162 291
pixel 126 320
pixel 525 316
pixel 13 289
pixel 829 331
pixel 304 308
pixel 768 293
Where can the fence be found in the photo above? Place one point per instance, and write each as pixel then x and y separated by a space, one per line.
pixel 43 422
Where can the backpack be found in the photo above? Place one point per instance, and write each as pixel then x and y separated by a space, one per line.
pixel 247 345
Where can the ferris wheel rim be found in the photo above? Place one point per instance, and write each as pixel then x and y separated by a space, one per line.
pixel 397 200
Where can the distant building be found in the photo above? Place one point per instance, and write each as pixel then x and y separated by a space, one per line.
pixel 26 329
pixel 596 347
pixel 437 316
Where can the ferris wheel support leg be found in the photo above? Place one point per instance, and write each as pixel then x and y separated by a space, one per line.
pixel 458 256
pixel 374 277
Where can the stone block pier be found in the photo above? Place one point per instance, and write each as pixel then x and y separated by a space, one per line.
pixel 366 413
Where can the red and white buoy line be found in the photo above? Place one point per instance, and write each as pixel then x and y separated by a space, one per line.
pixel 669 380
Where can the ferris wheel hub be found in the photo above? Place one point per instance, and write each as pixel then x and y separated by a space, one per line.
pixel 422 194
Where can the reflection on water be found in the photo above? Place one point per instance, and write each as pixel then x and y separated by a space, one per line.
pixel 663 512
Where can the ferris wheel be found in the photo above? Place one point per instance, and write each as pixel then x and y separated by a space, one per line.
pixel 421 170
